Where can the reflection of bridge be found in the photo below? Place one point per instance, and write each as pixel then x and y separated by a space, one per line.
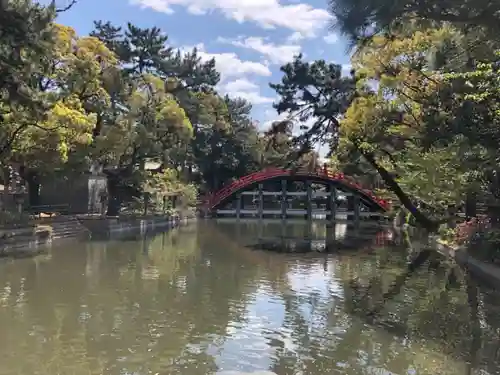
pixel 285 194
pixel 303 236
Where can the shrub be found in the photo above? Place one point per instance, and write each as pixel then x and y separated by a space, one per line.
pixel 468 230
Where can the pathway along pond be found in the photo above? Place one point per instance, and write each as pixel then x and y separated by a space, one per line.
pixel 195 301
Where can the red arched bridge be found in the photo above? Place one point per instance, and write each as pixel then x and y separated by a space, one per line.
pixel 287 193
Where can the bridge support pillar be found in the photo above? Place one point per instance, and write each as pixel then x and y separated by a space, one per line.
pixel 283 198
pixel 309 200
pixel 260 226
pixel 261 201
pixel 283 230
pixel 308 233
pixel 238 230
pixel 238 206
pixel 356 208
pixel 332 204
pixel 330 237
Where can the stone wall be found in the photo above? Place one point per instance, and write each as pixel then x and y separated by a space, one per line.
pixel 82 193
pixel 113 227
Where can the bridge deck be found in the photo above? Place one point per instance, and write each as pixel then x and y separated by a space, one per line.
pixel 340 220
pixel 298 212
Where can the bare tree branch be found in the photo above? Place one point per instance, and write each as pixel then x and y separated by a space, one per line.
pixel 68 7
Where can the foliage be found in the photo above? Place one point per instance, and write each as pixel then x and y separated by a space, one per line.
pixel 312 91
pixel 171 114
pixel 25 34
pixel 420 111
pixel 417 118
pixel 120 98
pixel 67 82
pixel 478 236
pixel 486 246
pixel 435 177
pixel 166 184
pixel 361 19
pixel 25 27
pixel 160 190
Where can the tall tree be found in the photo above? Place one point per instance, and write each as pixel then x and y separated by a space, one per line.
pixel 220 144
pixel 314 91
pixel 25 35
pixel 361 19
pixel 225 153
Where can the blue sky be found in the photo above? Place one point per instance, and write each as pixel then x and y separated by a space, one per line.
pixel 249 39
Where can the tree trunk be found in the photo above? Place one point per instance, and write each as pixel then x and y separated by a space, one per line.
pixel 391 183
pixel 5 181
pixel 470 204
pixel 33 181
pixel 114 203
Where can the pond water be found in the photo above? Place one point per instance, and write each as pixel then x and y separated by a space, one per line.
pixel 204 299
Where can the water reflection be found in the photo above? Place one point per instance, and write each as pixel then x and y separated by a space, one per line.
pixel 195 301
pixel 302 236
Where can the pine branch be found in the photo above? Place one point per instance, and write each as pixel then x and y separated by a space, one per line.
pixel 66 8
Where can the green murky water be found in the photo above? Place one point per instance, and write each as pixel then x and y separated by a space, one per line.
pixel 196 301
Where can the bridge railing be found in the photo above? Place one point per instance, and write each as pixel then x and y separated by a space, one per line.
pixel 223 193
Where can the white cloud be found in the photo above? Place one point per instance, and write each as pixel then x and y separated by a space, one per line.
pixel 240 84
pixel 251 96
pixel 234 74
pixel 268 14
pixel 159 6
pixel 331 38
pixel 277 54
pixel 295 37
pixel 243 88
pixel 346 69
pixel 229 65
pixel 272 116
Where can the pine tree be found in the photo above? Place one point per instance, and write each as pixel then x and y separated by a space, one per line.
pixel 25 35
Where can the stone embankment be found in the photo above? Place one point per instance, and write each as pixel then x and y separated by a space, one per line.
pixel 112 227
pixel 34 237
pixel 487 272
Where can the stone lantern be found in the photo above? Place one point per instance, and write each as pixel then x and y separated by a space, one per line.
pixel 19 200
